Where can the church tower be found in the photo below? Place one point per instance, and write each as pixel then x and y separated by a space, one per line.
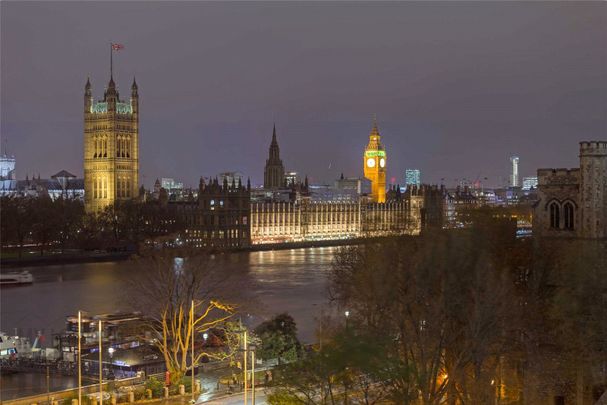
pixel 274 172
pixel 374 163
pixel 111 147
pixel 593 189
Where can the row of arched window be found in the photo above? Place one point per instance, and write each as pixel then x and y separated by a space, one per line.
pixel 562 215
pixel 123 147
pixel 123 187
pixel 100 149
pixel 100 187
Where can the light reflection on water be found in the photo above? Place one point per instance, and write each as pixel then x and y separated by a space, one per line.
pixel 292 281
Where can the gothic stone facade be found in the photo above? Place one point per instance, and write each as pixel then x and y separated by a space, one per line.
pixel 111 147
pixel 219 218
pixel 572 203
pixel 307 221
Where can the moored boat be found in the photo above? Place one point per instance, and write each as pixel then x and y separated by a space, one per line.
pixel 16 278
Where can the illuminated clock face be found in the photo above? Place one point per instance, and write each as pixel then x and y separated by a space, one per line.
pixel 371 162
pixel 382 162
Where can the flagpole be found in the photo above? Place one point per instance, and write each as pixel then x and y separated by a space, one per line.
pixel 111 61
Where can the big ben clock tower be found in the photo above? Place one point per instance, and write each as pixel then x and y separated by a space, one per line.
pixel 374 162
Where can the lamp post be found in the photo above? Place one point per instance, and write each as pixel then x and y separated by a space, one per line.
pixel 245 367
pixel 193 365
pixel 100 366
pixel 79 358
pixel 111 351
pixel 347 314
pixel 252 349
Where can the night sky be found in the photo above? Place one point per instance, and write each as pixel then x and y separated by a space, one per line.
pixel 457 87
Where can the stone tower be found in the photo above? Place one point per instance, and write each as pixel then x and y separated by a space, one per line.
pixel 274 173
pixel 593 189
pixel 374 163
pixel 111 147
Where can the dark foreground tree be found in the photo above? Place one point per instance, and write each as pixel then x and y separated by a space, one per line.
pixel 443 301
pixel 348 369
pixel 278 339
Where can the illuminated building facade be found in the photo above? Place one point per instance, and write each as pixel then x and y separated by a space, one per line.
pixel 529 183
pixel 60 185
pixel 308 221
pixel 573 202
pixel 218 218
pixel 111 147
pixel 374 163
pixel 274 173
pixel 7 167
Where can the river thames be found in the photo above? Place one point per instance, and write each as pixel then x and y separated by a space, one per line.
pixel 292 281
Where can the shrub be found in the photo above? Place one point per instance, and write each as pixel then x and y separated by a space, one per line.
pixel 156 386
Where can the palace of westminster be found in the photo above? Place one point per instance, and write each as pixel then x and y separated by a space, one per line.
pixel 229 214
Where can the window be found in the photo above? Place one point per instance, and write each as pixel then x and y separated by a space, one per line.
pixel 568 211
pixel 555 213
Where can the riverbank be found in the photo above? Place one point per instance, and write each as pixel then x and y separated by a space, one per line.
pixel 96 257
pixel 63 258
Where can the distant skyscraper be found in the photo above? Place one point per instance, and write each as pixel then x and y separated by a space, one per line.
pixel 529 182
pixel 274 173
pixel 374 163
pixel 111 147
pixel 514 174
pixel 412 177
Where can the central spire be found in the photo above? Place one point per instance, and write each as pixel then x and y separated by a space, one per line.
pixel 274 170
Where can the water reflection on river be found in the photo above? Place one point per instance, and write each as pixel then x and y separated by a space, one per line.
pixel 293 280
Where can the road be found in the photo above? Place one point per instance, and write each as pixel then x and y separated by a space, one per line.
pixel 235 399
pixel 260 399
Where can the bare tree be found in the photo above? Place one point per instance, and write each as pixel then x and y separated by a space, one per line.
pixel 164 288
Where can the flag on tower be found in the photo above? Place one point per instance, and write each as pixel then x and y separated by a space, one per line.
pixel 117 47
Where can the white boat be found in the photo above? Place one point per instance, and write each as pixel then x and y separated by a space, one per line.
pixel 24 277
pixel 14 346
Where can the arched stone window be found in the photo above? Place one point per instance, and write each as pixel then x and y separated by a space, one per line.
pixel 568 213
pixel 555 215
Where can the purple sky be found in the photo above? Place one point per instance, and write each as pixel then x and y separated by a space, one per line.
pixel 457 87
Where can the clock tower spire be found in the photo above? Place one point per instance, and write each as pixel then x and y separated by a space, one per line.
pixel 374 164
